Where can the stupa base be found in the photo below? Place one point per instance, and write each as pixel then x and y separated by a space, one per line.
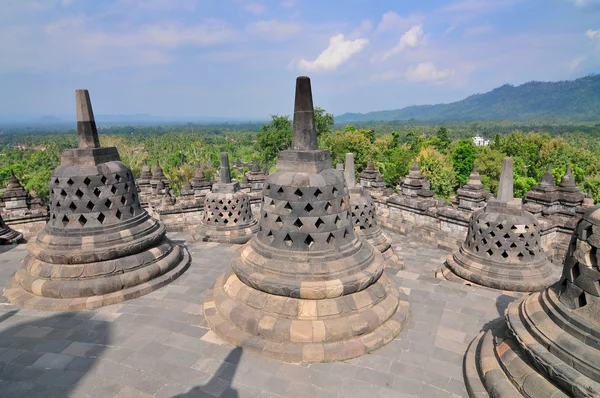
pixel 494 366
pixel 383 244
pixel 15 293
pixel 460 269
pixel 205 233
pixel 9 236
pixel 536 351
pixel 303 330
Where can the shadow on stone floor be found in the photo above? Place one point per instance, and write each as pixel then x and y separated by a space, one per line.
pixel 49 356
pixel 6 248
pixel 502 303
pixel 224 374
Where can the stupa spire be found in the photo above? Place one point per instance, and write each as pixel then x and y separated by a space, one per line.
pixel 225 173
pixel 304 134
pixel 506 188
pixel 349 171
pixel 87 133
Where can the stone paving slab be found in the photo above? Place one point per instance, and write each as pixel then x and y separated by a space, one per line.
pixel 159 345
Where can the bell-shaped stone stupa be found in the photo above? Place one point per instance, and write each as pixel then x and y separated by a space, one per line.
pixel 502 249
pixel 306 288
pixel 363 216
pixel 547 345
pixel 227 214
pixel 99 246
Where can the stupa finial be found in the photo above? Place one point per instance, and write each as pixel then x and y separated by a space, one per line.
pixel 304 134
pixel 349 171
pixel 86 125
pixel 224 173
pixel 506 188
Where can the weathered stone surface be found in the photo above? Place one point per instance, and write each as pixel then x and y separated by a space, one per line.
pixel 227 213
pixel 7 235
pixel 255 177
pixel 370 178
pixel 363 217
pixel 22 211
pixel 502 249
pixel 472 195
pixel 306 288
pixel 550 200
pixel 548 345
pixel 99 246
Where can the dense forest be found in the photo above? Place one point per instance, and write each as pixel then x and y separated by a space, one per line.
pixel 565 101
pixel 445 153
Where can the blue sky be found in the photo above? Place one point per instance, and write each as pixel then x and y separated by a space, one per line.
pixel 239 58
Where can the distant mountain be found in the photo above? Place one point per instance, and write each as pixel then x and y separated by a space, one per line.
pixel 573 100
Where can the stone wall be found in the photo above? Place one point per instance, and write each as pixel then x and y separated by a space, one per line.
pixel 447 227
pixel 179 218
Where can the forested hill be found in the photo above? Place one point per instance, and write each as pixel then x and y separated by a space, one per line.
pixel 573 100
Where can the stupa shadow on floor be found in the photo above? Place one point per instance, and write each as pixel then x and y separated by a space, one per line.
pixel 35 359
pixel 224 374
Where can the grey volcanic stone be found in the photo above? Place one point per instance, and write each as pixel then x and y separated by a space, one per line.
pixel 7 235
pixel 363 217
pixel 306 288
pixel 564 199
pixel 17 206
pixel 548 344
pixel 99 246
pixel 502 249
pixel 472 195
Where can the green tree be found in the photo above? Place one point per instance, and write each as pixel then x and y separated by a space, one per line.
pixel 274 137
pixel 442 141
pixel 463 158
pixel 438 168
pixel 323 121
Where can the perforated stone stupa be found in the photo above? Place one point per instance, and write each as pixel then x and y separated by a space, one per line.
pixel 99 246
pixel 306 288
pixel 548 345
pixel 502 248
pixel 227 214
pixel 363 216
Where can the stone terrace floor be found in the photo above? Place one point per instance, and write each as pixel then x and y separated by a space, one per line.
pixel 159 345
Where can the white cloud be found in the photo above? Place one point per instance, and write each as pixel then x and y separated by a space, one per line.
pixel 288 3
pixel 585 3
pixel 575 62
pixel 365 27
pixel 154 5
pixel 254 8
pixel 592 34
pixel 476 6
pixel 274 29
pixel 413 37
pixel 427 72
pixel 392 21
pixel 478 30
pixel 338 53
